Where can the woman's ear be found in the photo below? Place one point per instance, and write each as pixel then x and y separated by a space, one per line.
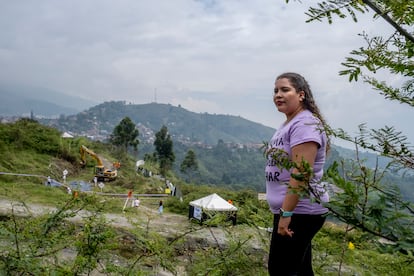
pixel 302 95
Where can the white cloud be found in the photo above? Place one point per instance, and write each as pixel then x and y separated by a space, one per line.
pixel 208 56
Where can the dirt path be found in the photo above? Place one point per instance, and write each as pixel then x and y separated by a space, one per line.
pixel 141 214
pixel 166 224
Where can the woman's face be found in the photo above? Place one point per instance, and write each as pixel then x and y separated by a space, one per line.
pixel 286 98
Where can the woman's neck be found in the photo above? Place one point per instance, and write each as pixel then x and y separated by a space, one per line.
pixel 293 115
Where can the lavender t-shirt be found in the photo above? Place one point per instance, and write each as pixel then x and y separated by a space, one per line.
pixel 304 127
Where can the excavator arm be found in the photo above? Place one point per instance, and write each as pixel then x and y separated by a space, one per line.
pixel 101 172
pixel 84 150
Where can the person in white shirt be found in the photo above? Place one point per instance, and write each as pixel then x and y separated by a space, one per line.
pixel 136 203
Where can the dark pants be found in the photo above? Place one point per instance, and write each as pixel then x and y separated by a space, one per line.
pixel 290 256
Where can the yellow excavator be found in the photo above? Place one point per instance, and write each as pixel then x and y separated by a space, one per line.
pixel 101 173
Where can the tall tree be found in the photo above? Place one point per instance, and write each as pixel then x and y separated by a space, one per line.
pixel 125 134
pixel 364 201
pixel 189 162
pixel 189 166
pixel 164 150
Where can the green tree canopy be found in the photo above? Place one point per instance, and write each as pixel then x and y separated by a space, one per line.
pixel 125 134
pixel 189 162
pixel 164 150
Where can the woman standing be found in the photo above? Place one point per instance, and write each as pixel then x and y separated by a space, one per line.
pixel 160 208
pixel 296 204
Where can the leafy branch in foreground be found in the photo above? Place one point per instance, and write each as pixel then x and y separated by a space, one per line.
pixel 304 171
pixel 378 209
pixel 385 141
pixel 365 200
pixel 392 53
pixel 31 242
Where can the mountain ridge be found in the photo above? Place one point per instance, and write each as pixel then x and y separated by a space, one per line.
pixel 100 120
pixel 20 100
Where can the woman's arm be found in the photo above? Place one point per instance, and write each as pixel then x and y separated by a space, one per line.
pixel 302 152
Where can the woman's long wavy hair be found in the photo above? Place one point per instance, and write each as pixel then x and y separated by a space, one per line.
pixel 300 84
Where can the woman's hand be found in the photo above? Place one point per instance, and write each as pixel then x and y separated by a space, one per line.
pixel 283 227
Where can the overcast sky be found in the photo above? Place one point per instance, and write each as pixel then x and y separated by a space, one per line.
pixel 206 55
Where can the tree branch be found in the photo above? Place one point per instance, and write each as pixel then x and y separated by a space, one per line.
pixel 401 30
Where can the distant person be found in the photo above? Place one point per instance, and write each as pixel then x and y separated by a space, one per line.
pixel 49 181
pixel 136 203
pixel 301 137
pixel 160 208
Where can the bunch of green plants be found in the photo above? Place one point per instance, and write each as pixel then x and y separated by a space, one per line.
pixel 235 259
pixel 340 249
pixel 35 245
pixel 56 244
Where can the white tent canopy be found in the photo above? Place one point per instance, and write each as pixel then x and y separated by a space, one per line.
pixel 213 202
pixel 67 135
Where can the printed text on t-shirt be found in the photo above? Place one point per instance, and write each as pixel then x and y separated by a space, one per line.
pixel 272 176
